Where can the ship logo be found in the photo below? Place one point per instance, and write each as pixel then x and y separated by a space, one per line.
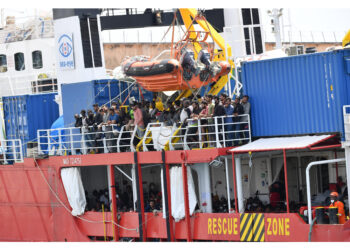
pixel 65 45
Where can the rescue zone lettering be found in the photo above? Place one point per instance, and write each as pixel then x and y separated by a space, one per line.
pixel 223 226
pixel 278 226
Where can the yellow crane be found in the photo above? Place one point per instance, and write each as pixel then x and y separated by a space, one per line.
pixel 346 39
pixel 187 16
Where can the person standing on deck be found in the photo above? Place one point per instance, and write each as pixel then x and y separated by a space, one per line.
pixel 338 204
pixel 229 135
pixel 246 111
pixel 237 111
pixel 138 120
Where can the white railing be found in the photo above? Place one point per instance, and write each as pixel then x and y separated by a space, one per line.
pixel 84 140
pixel 218 132
pixel 346 115
pixel 11 151
pixel 31 83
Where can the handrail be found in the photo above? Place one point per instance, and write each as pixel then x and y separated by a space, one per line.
pixel 213 132
pixel 27 83
pixel 11 151
pixel 308 187
pixel 217 132
pixel 346 116
pixel 83 140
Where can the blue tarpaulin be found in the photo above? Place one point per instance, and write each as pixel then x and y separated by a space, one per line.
pixel 54 138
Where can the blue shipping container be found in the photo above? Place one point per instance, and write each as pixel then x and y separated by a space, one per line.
pixel 299 94
pixel 25 114
pixel 79 96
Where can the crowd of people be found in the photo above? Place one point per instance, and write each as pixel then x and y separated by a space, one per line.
pixel 100 200
pixel 107 121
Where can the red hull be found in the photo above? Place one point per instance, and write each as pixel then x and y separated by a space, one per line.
pixel 30 212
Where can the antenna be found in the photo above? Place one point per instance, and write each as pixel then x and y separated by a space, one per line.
pixel 275 15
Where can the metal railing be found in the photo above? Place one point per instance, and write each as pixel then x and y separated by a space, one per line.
pixel 346 116
pixel 31 83
pixel 84 140
pixel 11 151
pixel 218 132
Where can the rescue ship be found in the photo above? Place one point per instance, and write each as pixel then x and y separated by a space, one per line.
pixel 208 189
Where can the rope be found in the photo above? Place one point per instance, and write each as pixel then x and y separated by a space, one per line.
pixel 142 129
pixel 120 94
pixel 160 133
pixel 68 210
pixel 140 138
pixel 126 98
pixel 81 218
pixel 172 24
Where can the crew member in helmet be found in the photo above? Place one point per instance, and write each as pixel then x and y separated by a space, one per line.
pixel 339 205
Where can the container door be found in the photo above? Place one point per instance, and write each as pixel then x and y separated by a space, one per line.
pixel 22 117
pixel 347 64
pixel 10 115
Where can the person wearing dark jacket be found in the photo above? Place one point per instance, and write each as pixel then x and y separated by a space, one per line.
pixel 98 118
pixel 229 135
pixel 219 111
pixel 237 111
pixel 176 117
pixel 90 136
pixel 96 108
pixel 78 121
pixel 98 122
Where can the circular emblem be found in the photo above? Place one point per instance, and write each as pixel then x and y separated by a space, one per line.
pixel 65 45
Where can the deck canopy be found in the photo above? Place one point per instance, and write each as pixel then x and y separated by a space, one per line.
pixel 308 142
pixel 287 143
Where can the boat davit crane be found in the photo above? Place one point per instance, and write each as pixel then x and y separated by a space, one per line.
pixel 193 63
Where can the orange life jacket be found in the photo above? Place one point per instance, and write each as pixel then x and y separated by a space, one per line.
pixel 341 211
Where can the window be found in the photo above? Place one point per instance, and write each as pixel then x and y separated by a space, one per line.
pixel 252 35
pixel 19 61
pixel 91 58
pixel 37 59
pixel 3 63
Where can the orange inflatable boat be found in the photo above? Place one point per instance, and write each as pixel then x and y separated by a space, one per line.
pixel 172 74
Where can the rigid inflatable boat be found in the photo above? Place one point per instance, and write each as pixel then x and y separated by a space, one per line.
pixel 173 74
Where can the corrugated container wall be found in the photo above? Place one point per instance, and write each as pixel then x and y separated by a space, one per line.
pixel 25 114
pixel 298 95
pixel 79 96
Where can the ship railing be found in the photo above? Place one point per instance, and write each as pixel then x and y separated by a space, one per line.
pixel 212 132
pixel 346 116
pixel 31 83
pixel 86 140
pixel 11 151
